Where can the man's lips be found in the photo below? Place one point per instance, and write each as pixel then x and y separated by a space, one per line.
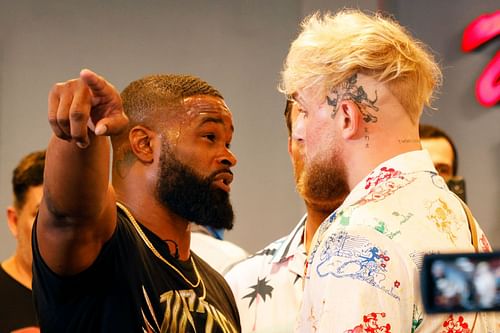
pixel 223 180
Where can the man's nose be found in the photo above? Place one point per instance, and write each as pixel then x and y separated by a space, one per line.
pixel 228 159
pixel 298 130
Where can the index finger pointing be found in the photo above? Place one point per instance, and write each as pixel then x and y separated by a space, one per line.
pixel 97 84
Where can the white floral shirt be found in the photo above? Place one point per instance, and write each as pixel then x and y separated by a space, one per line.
pixel 363 271
pixel 268 286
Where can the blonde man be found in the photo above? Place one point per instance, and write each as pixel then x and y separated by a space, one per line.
pixel 361 82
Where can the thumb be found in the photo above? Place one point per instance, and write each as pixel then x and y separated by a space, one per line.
pixel 112 125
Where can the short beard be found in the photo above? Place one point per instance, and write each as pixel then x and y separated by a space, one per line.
pixel 324 181
pixel 191 196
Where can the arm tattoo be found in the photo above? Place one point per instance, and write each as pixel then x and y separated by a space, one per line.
pixel 350 91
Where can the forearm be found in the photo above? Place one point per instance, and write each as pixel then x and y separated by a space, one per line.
pixel 76 180
pixel 78 213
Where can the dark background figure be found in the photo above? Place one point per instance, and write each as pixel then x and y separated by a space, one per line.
pixel 16 302
pixel 444 155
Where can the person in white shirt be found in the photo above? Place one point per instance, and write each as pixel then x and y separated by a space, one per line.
pixel 268 285
pixel 211 246
pixel 361 82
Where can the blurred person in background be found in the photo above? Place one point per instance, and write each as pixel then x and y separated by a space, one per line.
pixel 444 155
pixel 210 245
pixel 17 312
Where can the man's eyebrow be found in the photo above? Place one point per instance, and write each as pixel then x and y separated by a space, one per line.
pixel 213 120
pixel 296 98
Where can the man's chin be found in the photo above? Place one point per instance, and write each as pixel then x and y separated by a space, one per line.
pixel 220 214
pixel 319 200
pixel 226 225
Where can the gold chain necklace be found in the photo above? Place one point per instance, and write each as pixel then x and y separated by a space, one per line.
pixel 159 256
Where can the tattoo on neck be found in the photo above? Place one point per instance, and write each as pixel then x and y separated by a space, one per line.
pixel 351 91
pixel 367 138
pixel 408 140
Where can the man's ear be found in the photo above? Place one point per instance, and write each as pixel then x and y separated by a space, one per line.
pixel 351 120
pixel 12 220
pixel 142 143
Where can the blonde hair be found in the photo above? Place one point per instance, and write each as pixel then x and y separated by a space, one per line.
pixel 332 48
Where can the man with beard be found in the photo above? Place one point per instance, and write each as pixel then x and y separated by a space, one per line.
pixel 268 285
pixel 193 196
pixel 116 258
pixel 361 82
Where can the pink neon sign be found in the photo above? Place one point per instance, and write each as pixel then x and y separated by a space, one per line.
pixel 481 30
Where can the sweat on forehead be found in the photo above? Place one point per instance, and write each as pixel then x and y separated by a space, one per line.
pixel 203 104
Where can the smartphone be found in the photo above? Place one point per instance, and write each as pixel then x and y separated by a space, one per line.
pixel 457 185
pixel 463 282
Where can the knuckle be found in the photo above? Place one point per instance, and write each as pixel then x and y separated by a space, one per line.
pixel 61 87
pixel 62 121
pixel 79 137
pixel 77 115
pixel 56 89
pixel 53 121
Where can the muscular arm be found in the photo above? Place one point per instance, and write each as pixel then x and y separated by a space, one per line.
pixel 78 214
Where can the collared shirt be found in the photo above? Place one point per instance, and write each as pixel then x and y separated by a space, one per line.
pixel 268 286
pixel 363 271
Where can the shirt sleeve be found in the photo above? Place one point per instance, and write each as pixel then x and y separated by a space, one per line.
pixel 358 280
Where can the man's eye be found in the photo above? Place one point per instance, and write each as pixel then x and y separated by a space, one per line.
pixel 443 169
pixel 211 137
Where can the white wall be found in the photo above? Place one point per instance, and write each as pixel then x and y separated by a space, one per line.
pixel 238 46
pixel 474 128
